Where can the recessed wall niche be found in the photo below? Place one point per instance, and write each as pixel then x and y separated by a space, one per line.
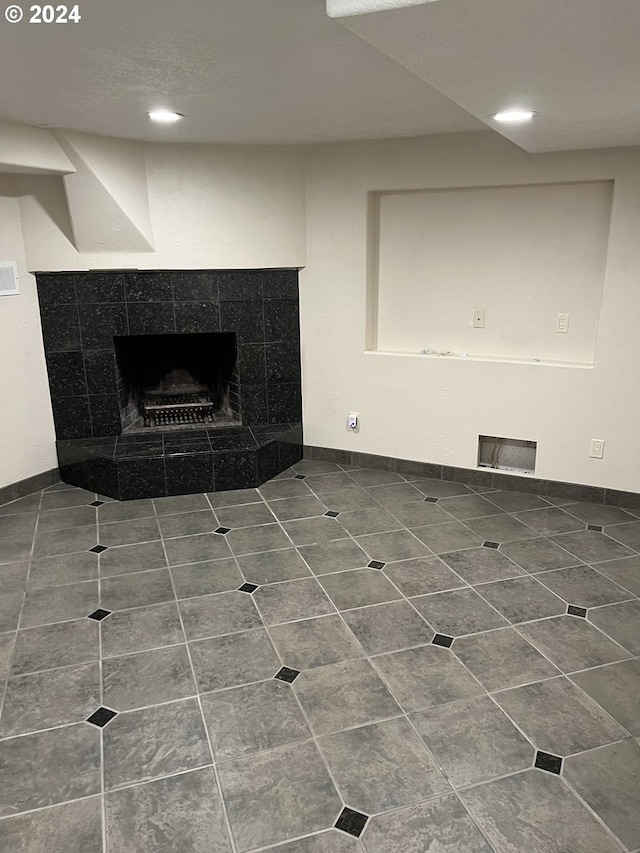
pixel 521 254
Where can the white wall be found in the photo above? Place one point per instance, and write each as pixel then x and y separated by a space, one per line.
pixel 521 254
pixel 225 207
pixel 210 207
pixel 26 423
pixel 433 410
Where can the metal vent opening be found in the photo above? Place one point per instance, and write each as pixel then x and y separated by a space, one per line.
pixel 9 285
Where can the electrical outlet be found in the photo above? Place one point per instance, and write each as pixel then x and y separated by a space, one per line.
pixel 562 323
pixel 597 448
pixel 478 319
pixel 352 422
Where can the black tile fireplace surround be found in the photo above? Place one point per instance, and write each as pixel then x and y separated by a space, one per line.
pixel 81 313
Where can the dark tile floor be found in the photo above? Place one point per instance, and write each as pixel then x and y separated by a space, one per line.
pixel 437 668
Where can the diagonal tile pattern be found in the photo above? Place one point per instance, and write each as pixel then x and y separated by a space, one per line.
pixel 346 668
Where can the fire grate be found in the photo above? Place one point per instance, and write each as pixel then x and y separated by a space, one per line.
pixel 167 410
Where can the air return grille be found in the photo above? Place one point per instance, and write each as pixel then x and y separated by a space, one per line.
pixel 8 279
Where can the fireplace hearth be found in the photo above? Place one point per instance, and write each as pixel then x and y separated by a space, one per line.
pixel 173 382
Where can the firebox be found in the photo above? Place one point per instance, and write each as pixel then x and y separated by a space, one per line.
pixel 177 381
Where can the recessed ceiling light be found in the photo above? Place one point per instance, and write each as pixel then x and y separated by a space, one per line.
pixel 164 116
pixel 513 116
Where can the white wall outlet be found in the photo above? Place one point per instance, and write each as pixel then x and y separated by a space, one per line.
pixel 597 448
pixel 478 319
pixel 562 323
pixel 352 423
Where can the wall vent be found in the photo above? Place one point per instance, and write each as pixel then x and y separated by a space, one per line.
pixel 9 285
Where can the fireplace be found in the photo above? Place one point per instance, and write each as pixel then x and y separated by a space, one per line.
pixel 177 381
pixel 173 381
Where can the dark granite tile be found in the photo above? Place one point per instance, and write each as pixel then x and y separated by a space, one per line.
pixel 240 286
pixel 283 363
pixel 102 477
pixel 280 284
pixel 148 286
pixel 251 363
pixel 143 447
pixel 194 286
pixel 99 287
pixel 60 328
pixel 101 371
pixel 254 404
pixel 285 402
pixel 281 320
pixel 104 411
pixel 196 317
pixel 235 470
pixel 100 322
pixel 141 478
pixel 71 417
pixel 268 461
pixel 244 318
pixel 189 474
pixel 55 290
pixel 66 374
pixel 151 318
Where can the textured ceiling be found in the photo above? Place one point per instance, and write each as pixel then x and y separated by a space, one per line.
pixel 242 71
pixel 282 71
pixel 575 62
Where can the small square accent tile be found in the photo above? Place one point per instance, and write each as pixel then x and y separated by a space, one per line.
pixel 547 761
pixel 300 477
pixel 99 614
pixel 248 587
pixel 351 821
pixel 431 500
pixel 101 717
pixel 376 564
pixel 488 544
pixel 96 503
pixel 222 530
pixel 572 610
pixel 594 527
pixel 331 514
pixel 287 674
pixel 98 549
pixel 442 640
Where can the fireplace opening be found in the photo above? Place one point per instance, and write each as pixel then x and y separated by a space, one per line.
pixel 177 381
